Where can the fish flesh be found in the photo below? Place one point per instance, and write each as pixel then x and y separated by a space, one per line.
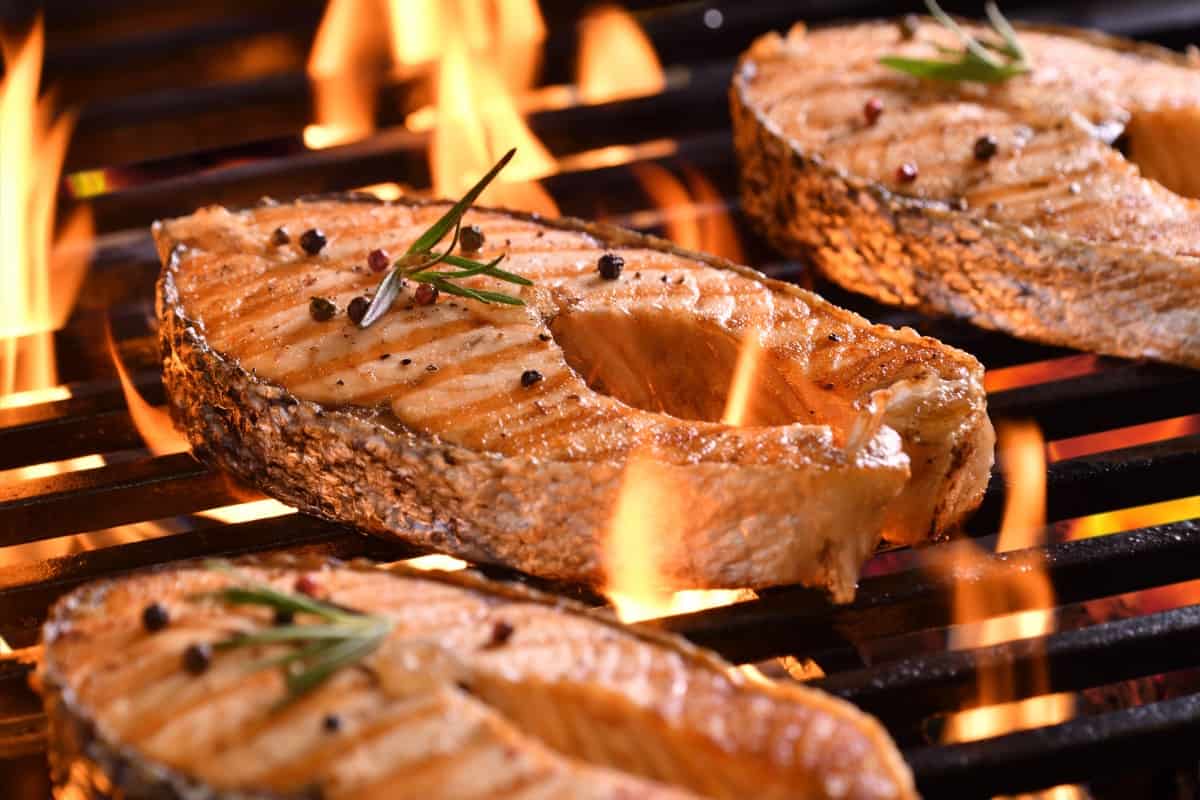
pixel 480 689
pixel 502 433
pixel 1057 206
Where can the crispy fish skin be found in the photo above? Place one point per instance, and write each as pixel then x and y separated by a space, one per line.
pixel 769 504
pixel 569 704
pixel 1056 238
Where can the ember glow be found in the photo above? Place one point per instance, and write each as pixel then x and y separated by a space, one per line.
pixel 1023 461
pixel 435 561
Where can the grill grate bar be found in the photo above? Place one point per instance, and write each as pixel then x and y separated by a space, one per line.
pixel 112 495
pixel 28 591
pixel 1085 748
pixel 798 620
pixel 905 691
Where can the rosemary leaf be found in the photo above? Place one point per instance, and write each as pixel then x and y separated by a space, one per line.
pixel 342 638
pixel 977 61
pixel 268 596
pixel 419 258
pixel 481 295
pixel 946 71
pixel 459 261
pixel 1013 46
pixel 329 661
pixel 438 231
pixel 385 295
pixel 287 633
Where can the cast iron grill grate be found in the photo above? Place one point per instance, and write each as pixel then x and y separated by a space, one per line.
pixel 195 140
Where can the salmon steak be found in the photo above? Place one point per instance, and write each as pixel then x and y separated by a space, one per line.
pixel 502 433
pixel 1058 205
pixel 472 689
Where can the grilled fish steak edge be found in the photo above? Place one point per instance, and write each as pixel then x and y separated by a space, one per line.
pixel 563 702
pixel 1048 233
pixel 906 450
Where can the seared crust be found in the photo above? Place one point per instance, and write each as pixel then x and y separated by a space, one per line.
pixel 357 465
pixel 83 757
pixel 1041 284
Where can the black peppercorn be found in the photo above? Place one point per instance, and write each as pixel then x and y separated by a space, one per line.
pixel 472 239
pixel 529 377
pixel 906 172
pixel 909 25
pixel 284 616
pixel 279 237
pixel 378 260
pixel 545 337
pixel 501 632
pixel 425 295
pixel 197 658
pixel 155 617
pixel 405 361
pixel 321 309
pixel 872 109
pixel 312 241
pixel 985 147
pixel 610 266
pixel 332 723
pixel 357 309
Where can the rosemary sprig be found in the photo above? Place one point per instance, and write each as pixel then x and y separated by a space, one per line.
pixel 984 60
pixel 417 261
pixel 338 638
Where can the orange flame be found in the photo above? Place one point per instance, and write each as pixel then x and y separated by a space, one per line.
pixel 616 59
pixel 39 277
pixel 642 524
pixel 694 215
pixel 1023 460
pixel 344 69
pixel 161 438
pixel 477 122
pixel 744 373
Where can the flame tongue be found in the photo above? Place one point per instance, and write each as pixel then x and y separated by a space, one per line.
pixel 477 121
pixel 616 59
pixel 37 282
pixel 1023 459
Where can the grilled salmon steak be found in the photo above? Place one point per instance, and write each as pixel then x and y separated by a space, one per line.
pixel 501 433
pixel 477 690
pixel 1010 204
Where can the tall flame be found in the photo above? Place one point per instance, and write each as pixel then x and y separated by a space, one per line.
pixel 1023 460
pixel 477 122
pixel 343 68
pixel 616 59
pixel 39 277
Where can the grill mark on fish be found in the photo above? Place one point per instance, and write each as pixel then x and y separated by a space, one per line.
pixel 416 338
pixel 699 725
pixel 1114 232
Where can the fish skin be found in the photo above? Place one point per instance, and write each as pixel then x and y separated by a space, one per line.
pixel 1061 240
pixel 530 476
pixel 441 711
